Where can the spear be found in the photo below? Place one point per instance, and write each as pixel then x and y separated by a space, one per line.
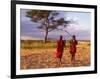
pixel 65 31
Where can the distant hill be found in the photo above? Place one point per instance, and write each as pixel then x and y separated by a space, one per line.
pixel 30 38
pixel 37 38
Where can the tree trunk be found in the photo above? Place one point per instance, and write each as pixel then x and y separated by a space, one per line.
pixel 46 34
pixel 46 31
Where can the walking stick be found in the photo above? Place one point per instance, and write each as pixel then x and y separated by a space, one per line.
pixel 83 56
pixel 65 31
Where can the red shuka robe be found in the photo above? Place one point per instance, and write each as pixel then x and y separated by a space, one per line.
pixel 60 47
pixel 73 44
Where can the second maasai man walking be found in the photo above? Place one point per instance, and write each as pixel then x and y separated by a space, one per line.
pixel 73 44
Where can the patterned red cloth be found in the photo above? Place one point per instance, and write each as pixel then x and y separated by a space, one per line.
pixel 73 44
pixel 60 47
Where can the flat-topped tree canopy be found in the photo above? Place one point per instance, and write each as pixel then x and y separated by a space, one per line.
pixel 49 20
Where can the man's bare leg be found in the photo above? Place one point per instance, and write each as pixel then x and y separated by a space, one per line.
pixel 58 62
pixel 73 59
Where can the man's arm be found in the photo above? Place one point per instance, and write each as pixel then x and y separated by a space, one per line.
pixel 76 42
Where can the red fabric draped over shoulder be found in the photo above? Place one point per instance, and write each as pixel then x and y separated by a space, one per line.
pixel 60 48
pixel 73 44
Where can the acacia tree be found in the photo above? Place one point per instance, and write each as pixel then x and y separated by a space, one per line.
pixel 48 20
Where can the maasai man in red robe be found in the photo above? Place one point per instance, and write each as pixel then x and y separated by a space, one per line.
pixel 60 49
pixel 73 44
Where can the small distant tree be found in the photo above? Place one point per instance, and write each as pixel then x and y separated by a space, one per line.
pixel 49 20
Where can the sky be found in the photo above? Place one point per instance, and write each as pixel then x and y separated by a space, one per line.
pixel 81 28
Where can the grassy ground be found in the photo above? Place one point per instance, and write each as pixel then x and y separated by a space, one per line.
pixel 37 54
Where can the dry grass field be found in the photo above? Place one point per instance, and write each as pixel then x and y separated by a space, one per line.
pixel 36 54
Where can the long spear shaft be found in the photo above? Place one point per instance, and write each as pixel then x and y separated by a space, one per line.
pixel 65 31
